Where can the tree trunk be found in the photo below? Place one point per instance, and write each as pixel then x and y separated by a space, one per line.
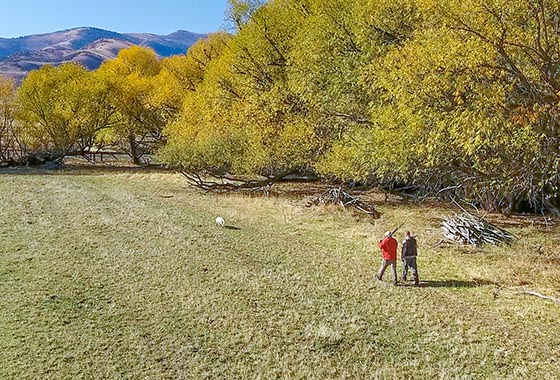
pixel 133 149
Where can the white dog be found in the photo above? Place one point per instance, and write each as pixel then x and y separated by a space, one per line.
pixel 220 222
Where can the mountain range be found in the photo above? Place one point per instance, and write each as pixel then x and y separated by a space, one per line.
pixel 88 46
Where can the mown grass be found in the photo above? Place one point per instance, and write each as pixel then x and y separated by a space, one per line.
pixel 124 275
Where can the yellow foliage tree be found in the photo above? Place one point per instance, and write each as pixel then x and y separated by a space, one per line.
pixel 131 80
pixel 9 144
pixel 50 107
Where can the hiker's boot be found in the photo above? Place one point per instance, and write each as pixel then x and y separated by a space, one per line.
pixel 416 281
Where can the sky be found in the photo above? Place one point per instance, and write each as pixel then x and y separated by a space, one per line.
pixel 25 17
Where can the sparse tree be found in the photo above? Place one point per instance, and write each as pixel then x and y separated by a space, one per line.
pixel 9 144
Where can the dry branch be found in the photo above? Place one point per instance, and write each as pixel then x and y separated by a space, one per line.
pixel 533 293
pixel 226 183
pixel 341 198
pixel 517 291
pixel 469 229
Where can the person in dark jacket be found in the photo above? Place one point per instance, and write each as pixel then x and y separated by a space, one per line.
pixel 408 256
pixel 388 247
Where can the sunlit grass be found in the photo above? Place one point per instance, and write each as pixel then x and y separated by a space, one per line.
pixel 125 275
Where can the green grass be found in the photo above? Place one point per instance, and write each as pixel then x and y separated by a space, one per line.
pixel 124 275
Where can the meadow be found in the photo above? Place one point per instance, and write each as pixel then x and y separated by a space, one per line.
pixel 123 274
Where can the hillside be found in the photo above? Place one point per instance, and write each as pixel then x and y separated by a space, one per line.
pixel 88 46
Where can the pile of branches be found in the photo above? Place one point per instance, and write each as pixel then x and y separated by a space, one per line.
pixel 339 197
pixel 469 229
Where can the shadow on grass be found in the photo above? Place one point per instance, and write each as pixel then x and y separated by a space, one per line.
pixel 232 228
pixel 453 284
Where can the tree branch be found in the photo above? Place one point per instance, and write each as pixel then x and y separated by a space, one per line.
pixel 228 182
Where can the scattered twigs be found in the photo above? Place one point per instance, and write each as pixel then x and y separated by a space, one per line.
pixel 339 197
pixel 469 229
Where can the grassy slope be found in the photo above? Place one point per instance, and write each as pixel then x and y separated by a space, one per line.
pixel 125 276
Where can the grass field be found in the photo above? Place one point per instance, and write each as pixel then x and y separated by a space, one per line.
pixel 123 275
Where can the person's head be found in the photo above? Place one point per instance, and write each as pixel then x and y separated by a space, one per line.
pixel 408 233
pixel 388 233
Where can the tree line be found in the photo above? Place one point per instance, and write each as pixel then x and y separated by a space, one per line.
pixel 71 110
pixel 454 97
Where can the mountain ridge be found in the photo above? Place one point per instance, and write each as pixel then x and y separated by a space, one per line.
pixel 89 46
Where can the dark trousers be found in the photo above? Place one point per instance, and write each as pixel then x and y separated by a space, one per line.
pixel 410 262
pixel 384 266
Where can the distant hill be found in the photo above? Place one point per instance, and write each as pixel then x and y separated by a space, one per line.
pixel 88 46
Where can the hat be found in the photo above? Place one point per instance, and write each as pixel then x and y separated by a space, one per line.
pixel 388 233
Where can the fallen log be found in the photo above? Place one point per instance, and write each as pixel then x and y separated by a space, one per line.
pixel 228 183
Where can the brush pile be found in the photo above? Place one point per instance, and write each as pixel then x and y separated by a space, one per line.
pixel 339 197
pixel 469 229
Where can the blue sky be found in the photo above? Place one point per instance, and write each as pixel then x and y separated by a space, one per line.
pixel 25 17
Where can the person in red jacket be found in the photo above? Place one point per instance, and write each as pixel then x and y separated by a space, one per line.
pixel 388 247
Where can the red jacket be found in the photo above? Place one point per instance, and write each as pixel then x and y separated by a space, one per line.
pixel 389 248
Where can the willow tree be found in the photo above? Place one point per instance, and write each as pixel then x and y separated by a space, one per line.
pixel 9 145
pixel 522 152
pixel 332 49
pixel 461 95
pixel 278 95
pixel 181 74
pixel 240 12
pixel 240 116
pixel 51 102
pixel 370 145
pixel 466 102
pixel 203 137
pixel 130 78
